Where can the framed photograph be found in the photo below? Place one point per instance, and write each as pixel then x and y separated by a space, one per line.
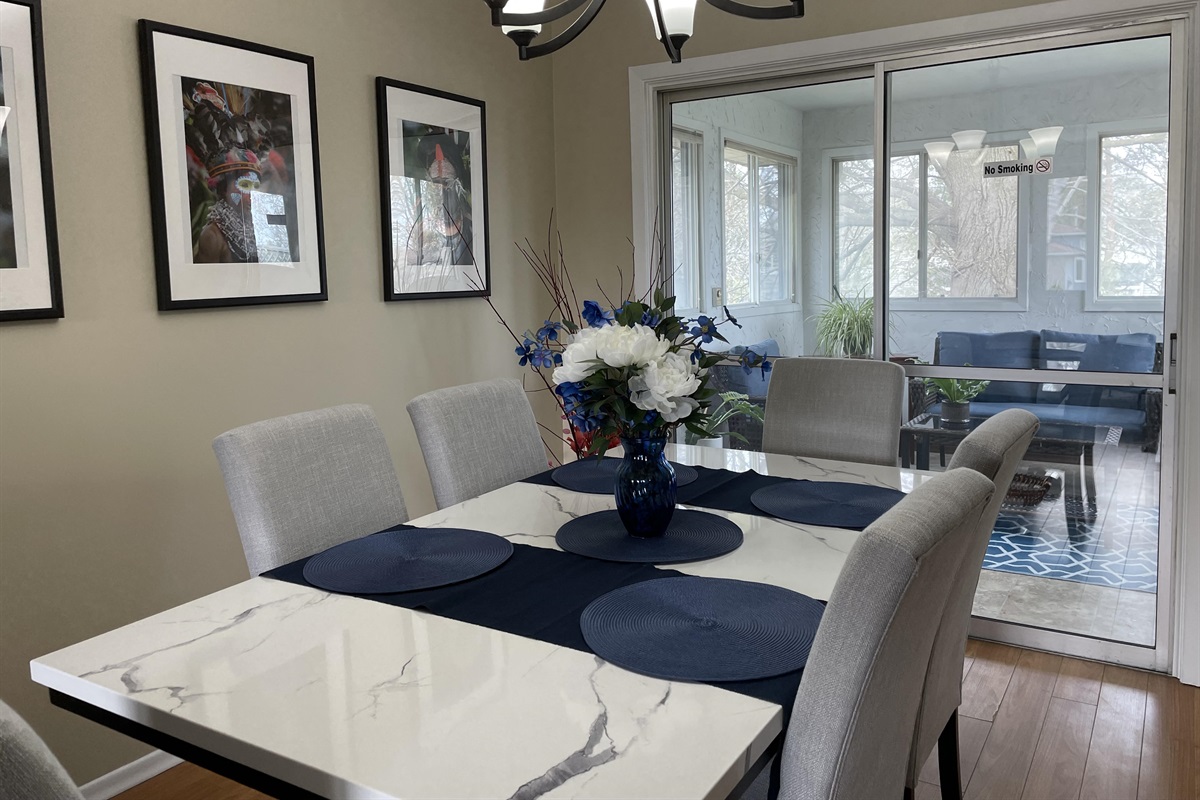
pixel 30 286
pixel 433 192
pixel 231 129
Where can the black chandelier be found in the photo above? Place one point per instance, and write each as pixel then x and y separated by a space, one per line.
pixel 522 20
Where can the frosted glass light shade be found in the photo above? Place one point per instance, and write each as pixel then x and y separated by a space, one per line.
pixel 939 152
pixel 679 15
pixel 3 116
pixel 523 7
pixel 1046 139
pixel 1029 148
pixel 969 140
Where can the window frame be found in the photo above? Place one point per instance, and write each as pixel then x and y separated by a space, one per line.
pixel 695 248
pixel 1093 300
pixel 866 153
pixel 727 137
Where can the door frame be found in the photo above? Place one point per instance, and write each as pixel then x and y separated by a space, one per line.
pixel 1016 30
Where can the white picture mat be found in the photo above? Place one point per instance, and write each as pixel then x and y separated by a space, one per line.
pixel 28 286
pixel 403 104
pixel 176 57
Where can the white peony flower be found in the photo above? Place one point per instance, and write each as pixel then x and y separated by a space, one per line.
pixel 666 386
pixel 578 357
pixel 614 345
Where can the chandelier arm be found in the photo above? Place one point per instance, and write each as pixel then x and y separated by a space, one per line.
pixel 552 14
pixel 567 36
pixel 792 9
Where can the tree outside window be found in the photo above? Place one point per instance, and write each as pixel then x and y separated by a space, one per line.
pixel 758 225
pixel 1133 215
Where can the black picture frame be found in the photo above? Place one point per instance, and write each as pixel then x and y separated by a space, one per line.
pixel 43 273
pixel 175 261
pixel 466 247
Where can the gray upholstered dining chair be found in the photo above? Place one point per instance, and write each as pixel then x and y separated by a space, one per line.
pixel 850 734
pixel 476 438
pixel 843 408
pixel 994 449
pixel 302 483
pixel 28 770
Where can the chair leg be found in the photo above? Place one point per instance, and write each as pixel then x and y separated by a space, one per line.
pixel 908 793
pixel 948 771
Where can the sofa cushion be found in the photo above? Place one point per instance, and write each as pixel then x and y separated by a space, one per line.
pixel 1009 349
pixel 1130 421
pixel 1090 352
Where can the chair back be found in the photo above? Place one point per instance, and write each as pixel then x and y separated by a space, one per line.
pixel 842 408
pixel 476 438
pixel 994 450
pixel 28 770
pixel 852 725
pixel 302 483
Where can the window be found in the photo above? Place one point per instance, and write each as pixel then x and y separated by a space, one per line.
pixel 953 234
pixel 686 148
pixel 758 224
pixel 1132 216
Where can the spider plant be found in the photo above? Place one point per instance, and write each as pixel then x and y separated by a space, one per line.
pixel 846 327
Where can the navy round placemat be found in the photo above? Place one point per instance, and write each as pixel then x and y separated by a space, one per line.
pixel 831 503
pixel 405 560
pixel 596 475
pixel 691 536
pixel 703 629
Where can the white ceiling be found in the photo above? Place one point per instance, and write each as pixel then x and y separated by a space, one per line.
pixel 970 77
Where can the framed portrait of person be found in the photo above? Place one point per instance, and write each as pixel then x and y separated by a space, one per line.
pixel 433 192
pixel 30 283
pixel 231 129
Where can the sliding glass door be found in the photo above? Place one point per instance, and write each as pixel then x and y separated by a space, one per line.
pixel 1028 262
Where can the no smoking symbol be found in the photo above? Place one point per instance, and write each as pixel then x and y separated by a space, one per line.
pixel 1043 165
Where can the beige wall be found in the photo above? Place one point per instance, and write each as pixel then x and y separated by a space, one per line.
pixel 111 503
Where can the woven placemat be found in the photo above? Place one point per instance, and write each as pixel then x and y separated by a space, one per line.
pixel 834 504
pixel 703 629
pixel 596 475
pixel 406 560
pixel 691 536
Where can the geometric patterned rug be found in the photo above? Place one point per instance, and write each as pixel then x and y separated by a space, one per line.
pixel 1051 547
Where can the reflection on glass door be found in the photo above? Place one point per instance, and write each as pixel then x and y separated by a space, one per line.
pixel 1027 230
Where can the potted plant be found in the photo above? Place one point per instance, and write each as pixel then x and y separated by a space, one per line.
pixel 846 327
pixel 733 404
pixel 956 396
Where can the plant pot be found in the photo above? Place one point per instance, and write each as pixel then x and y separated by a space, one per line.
pixel 645 487
pixel 955 414
pixel 712 441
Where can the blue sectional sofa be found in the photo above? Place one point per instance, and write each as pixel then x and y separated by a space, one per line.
pixel 1126 408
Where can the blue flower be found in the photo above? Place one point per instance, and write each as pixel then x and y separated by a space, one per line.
pixel 574 399
pixel 525 351
pixel 549 331
pixel 595 316
pixel 750 360
pixel 704 329
pixel 650 319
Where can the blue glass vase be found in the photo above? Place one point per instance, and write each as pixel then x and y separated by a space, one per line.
pixel 645 487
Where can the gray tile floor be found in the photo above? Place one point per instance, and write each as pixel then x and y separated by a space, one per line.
pixel 1127 498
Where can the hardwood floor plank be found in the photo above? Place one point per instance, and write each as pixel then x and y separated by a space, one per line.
pixel 1169 761
pixel 1009 749
pixel 988 680
pixel 1079 680
pixel 189 782
pixel 972 733
pixel 1062 752
pixel 1116 751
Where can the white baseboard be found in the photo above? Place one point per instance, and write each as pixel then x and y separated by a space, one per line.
pixel 130 775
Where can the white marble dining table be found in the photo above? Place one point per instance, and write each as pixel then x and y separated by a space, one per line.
pixel 346 697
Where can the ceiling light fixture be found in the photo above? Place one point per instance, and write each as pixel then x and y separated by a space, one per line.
pixel 1046 140
pixel 3 116
pixel 522 20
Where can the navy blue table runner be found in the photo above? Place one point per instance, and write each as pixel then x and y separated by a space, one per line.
pixel 540 594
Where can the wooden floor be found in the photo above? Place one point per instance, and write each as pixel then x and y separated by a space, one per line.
pixel 1033 726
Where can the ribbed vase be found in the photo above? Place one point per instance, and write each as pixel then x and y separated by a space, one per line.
pixel 645 487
